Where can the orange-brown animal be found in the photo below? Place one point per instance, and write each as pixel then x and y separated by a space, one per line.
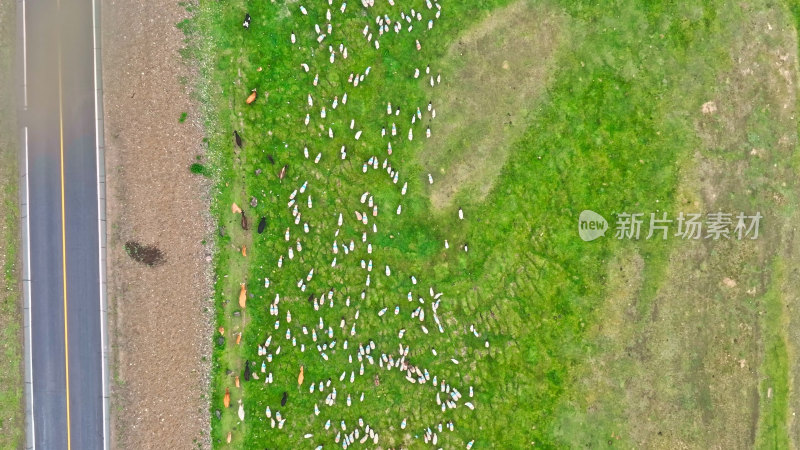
pixel 252 97
pixel 227 399
pixel 235 209
pixel 282 173
pixel 300 377
pixel 243 296
pixel 236 381
pixel 244 250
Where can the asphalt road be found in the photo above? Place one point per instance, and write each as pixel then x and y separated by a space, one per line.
pixel 66 345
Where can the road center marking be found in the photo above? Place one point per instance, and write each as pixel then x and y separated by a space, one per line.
pixel 63 237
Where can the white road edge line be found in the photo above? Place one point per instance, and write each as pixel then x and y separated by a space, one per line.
pixel 100 230
pixel 30 303
pixel 24 59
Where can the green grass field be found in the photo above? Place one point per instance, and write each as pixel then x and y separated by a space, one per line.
pixel 11 412
pixel 545 109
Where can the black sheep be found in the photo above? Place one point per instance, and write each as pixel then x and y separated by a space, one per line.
pixel 247 370
pixel 237 138
pixel 284 398
pixel 262 224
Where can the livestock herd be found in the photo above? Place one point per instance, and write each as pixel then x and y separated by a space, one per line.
pixel 421 306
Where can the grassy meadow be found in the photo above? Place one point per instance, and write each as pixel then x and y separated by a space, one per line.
pixel 545 108
pixel 11 411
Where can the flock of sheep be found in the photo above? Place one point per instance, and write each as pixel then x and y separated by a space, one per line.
pixel 365 358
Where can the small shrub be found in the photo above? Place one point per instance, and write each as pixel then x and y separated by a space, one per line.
pixel 198 169
pixel 183 117
pixel 146 254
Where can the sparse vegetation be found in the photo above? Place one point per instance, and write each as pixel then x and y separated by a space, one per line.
pixel 149 255
pixel 198 169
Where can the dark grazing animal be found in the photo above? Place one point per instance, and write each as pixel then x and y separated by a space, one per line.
pixel 262 224
pixel 246 22
pixel 244 222
pixel 284 398
pixel 271 159
pixel 237 138
pixel 247 370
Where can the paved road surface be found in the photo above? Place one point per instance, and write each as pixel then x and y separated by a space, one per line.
pixel 62 210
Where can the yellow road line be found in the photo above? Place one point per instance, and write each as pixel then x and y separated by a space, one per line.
pixel 63 237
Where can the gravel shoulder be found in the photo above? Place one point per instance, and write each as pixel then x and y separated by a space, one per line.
pixel 160 317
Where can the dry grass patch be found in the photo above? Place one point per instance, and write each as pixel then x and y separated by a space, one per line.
pixel 492 76
pixel 696 356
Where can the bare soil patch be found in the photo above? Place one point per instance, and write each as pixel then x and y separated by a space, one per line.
pixel 161 315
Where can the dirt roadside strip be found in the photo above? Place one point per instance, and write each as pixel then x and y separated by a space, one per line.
pixel 160 317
